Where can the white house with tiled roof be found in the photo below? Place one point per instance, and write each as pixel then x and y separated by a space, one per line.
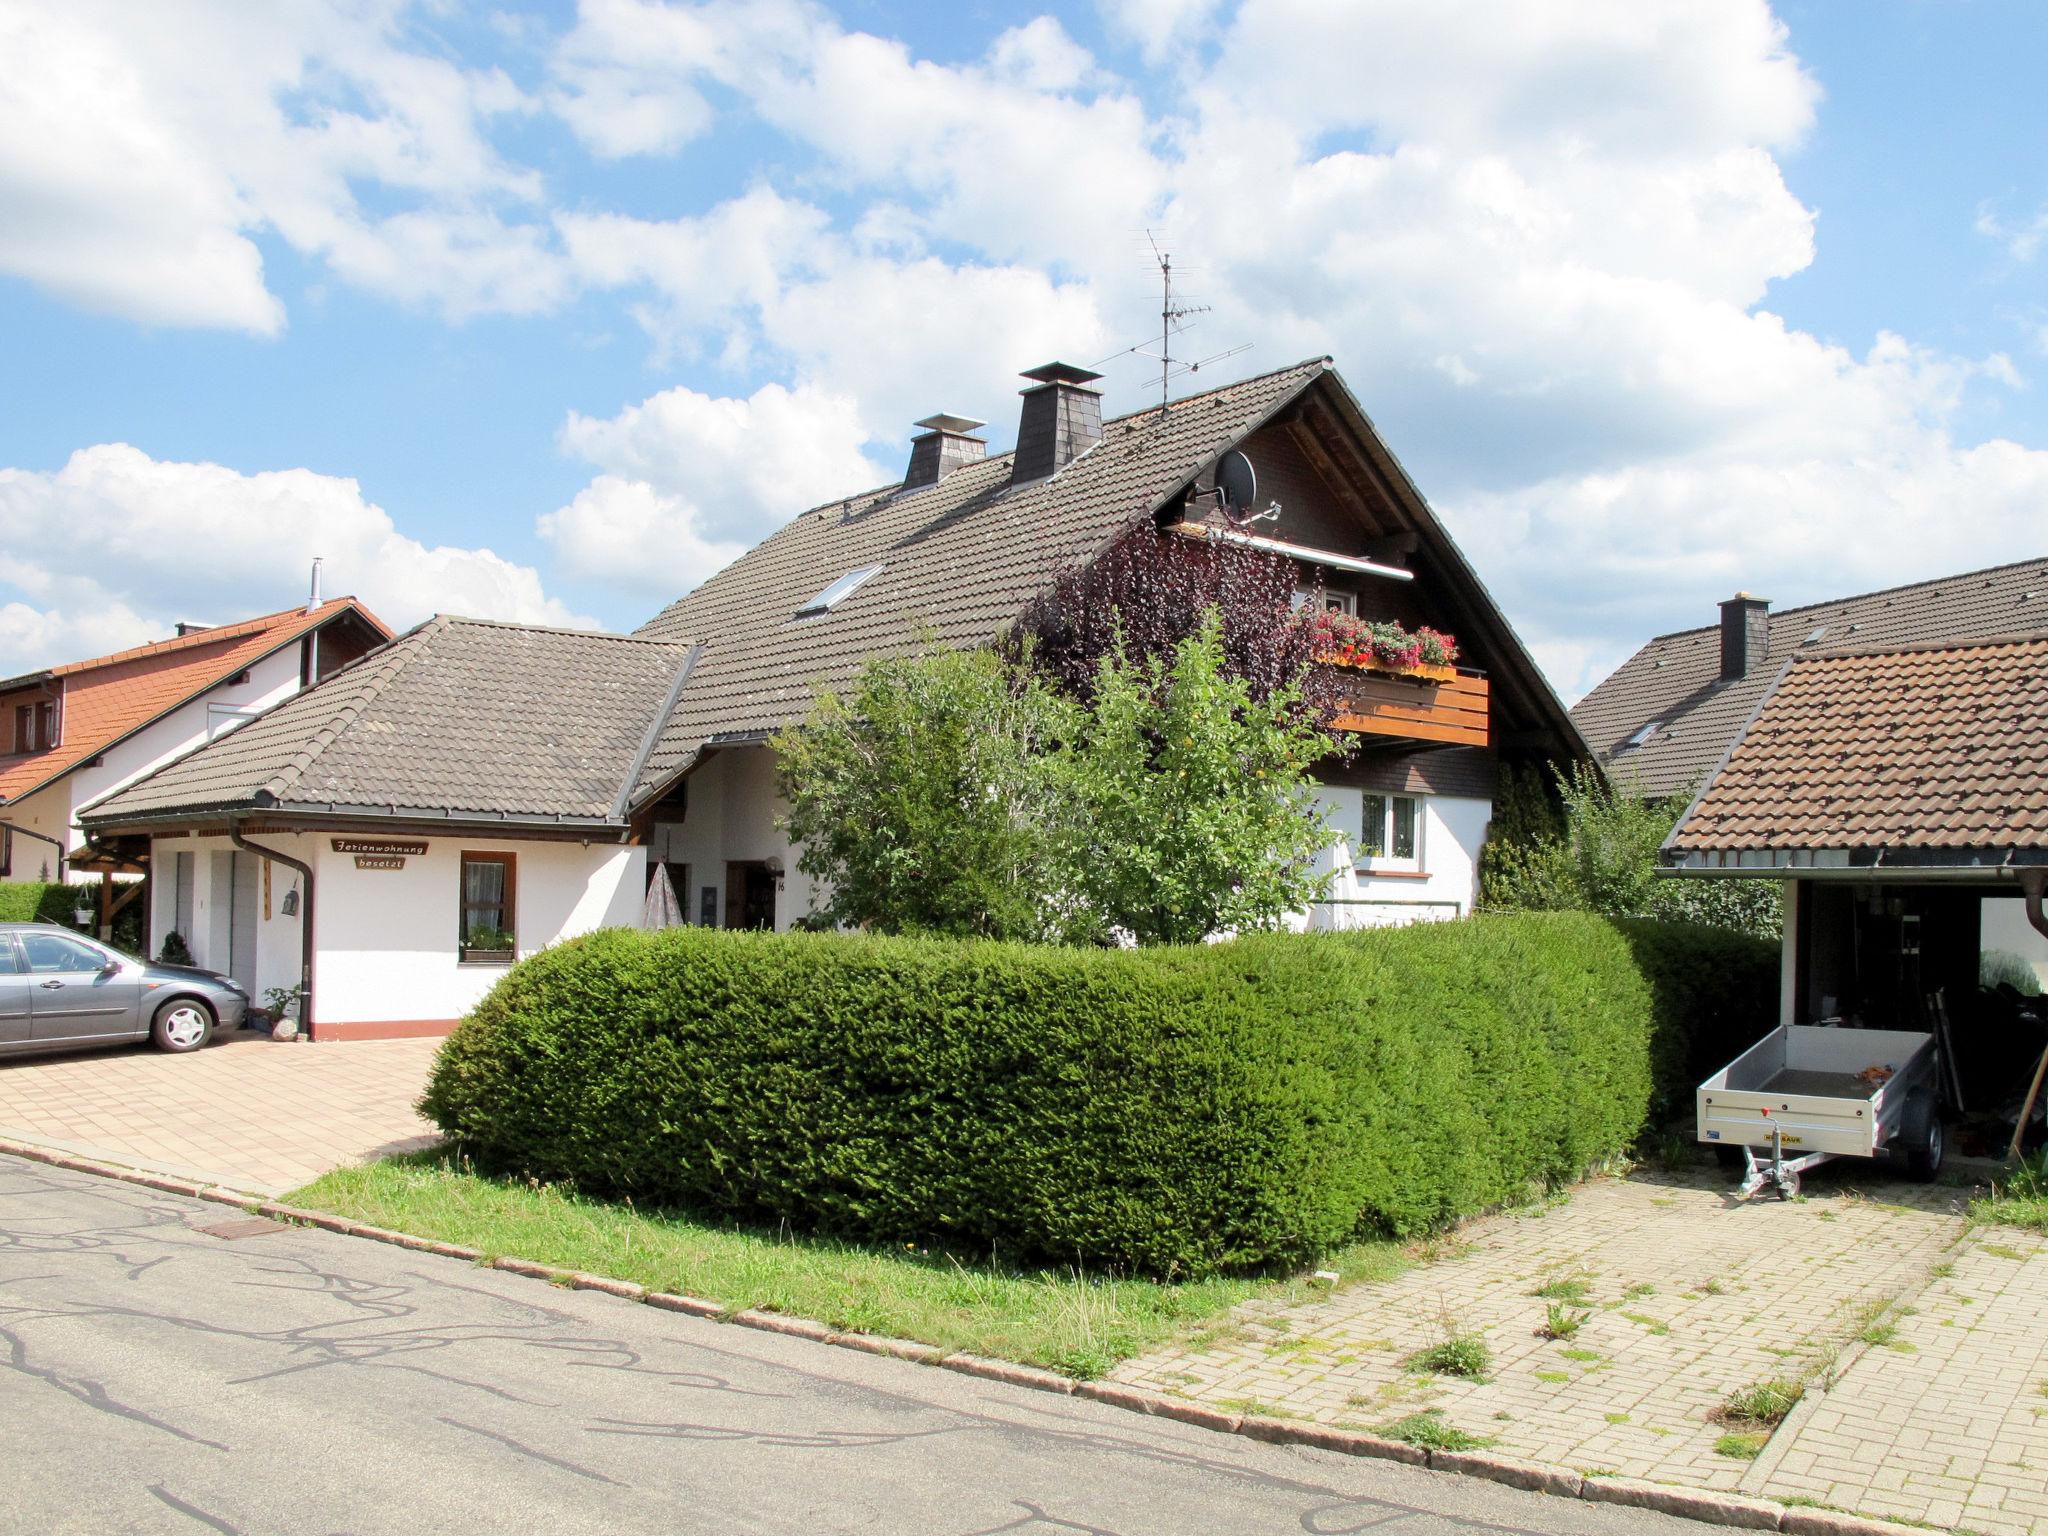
pixel 74 733
pixel 524 782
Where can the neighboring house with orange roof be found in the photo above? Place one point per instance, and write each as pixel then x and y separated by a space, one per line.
pixel 75 733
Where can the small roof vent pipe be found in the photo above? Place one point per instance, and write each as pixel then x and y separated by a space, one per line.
pixel 313 591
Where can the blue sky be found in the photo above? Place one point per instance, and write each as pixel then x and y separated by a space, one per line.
pixel 544 312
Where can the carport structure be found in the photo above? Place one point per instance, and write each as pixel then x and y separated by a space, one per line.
pixel 1900 793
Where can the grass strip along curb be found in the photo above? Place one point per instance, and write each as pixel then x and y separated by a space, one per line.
pixel 1730 1510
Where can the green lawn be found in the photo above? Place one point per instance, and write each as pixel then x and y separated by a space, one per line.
pixel 1076 1323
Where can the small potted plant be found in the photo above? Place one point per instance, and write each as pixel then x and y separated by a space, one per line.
pixel 488 946
pixel 284 1011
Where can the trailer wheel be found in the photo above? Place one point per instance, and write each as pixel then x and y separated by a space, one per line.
pixel 1920 1138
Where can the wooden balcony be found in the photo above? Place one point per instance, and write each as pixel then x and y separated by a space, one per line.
pixel 1440 704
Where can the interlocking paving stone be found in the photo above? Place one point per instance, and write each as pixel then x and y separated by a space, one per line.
pixel 249 1113
pixel 1735 1295
pixel 1949 1424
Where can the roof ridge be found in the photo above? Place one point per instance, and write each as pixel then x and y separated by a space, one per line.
pixel 551 629
pixel 1933 643
pixel 1857 597
pixel 887 486
pixel 212 635
pixel 401 656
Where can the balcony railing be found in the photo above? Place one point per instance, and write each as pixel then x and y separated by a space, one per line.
pixel 1443 704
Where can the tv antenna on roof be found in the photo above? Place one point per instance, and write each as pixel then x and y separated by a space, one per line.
pixel 1171 316
pixel 1170 313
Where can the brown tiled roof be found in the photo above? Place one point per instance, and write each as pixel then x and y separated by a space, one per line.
pixel 960 559
pixel 457 718
pixel 109 697
pixel 1940 746
pixel 1675 680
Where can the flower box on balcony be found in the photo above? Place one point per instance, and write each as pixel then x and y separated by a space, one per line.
pixel 1421 671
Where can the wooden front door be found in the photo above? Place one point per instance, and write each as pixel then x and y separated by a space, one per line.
pixel 749 895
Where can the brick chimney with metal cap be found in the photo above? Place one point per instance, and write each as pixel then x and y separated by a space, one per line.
pixel 946 443
pixel 1061 420
pixel 1745 635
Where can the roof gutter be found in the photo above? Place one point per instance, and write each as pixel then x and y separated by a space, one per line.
pixel 1861 874
pixel 305 919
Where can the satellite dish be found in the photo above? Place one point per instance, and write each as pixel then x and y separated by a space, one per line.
pixel 1238 482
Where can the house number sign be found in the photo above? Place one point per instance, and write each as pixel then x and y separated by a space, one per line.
pixel 376 845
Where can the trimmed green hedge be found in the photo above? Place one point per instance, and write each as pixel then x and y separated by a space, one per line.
pixel 27 901
pixel 1173 1110
pixel 1715 994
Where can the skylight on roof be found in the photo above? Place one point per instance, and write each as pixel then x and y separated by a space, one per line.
pixel 1813 635
pixel 1642 736
pixel 838 592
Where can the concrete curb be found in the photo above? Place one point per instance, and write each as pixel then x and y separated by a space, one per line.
pixel 1723 1509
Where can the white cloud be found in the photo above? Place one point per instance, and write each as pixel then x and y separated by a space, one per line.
pixel 143 147
pixel 687 482
pixel 102 201
pixel 158 541
pixel 1159 29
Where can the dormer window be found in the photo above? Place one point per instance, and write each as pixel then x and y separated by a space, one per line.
pixel 35 727
pixel 838 592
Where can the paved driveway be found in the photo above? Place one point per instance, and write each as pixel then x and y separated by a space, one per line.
pixel 155 1377
pixel 249 1113
pixel 1683 1299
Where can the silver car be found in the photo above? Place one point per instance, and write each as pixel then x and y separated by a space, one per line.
pixel 61 991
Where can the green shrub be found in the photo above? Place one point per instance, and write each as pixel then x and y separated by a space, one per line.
pixel 1716 995
pixel 1179 1110
pixel 29 901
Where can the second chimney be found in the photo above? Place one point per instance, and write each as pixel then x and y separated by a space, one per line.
pixel 1062 419
pixel 1745 635
pixel 946 443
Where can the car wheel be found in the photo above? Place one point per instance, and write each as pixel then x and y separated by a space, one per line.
pixel 183 1024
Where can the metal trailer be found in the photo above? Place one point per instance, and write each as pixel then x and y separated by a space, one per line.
pixel 1806 1093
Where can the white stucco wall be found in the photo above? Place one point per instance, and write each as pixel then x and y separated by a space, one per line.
pixel 271 681
pixel 277 935
pixel 733 810
pixel 386 939
pixel 1445 884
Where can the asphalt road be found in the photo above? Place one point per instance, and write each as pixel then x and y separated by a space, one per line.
pixel 161 1378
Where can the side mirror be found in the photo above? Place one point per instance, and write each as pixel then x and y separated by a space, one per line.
pixel 111 968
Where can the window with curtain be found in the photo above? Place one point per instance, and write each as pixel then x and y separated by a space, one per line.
pixel 488 921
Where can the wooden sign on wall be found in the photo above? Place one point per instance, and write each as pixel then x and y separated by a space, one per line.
pixel 376 845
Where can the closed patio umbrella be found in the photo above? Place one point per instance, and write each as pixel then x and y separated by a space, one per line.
pixel 660 909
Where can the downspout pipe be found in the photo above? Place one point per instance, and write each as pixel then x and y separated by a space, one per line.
pixel 305 919
pixel 2034 884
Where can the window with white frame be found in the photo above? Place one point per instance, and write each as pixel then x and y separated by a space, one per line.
pixel 1332 601
pixel 1390 833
